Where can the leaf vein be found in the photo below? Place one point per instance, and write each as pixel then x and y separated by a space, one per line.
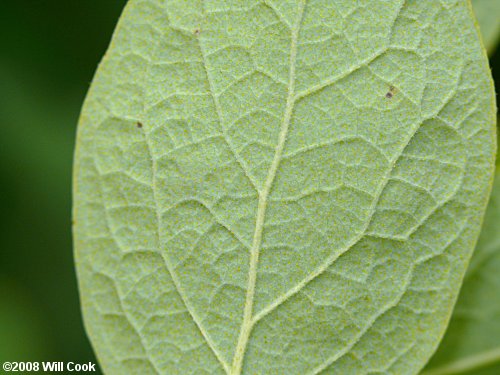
pixel 247 326
pixel 330 260
pixel 125 313
pixel 218 110
pixel 159 237
pixel 367 328
pixel 173 276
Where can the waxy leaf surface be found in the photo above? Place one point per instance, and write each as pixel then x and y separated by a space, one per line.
pixel 281 187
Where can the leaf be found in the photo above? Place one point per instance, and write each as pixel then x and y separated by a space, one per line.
pixel 281 187
pixel 472 342
pixel 487 13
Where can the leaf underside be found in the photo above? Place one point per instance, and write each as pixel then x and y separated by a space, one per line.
pixel 281 187
pixel 472 342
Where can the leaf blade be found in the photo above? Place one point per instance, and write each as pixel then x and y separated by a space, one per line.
pixel 174 214
pixel 470 344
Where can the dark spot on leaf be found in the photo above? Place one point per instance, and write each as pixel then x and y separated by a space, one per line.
pixel 197 32
pixel 391 92
pixel 139 124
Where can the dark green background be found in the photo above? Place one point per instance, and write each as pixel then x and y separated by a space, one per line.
pixel 48 54
pixel 49 50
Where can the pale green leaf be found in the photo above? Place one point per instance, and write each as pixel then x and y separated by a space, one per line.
pixel 281 187
pixel 488 16
pixel 472 342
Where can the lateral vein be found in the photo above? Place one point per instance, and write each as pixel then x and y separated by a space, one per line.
pixel 218 110
pixel 331 259
pixel 173 275
pixel 170 269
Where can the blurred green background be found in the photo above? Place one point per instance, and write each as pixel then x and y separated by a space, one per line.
pixel 49 52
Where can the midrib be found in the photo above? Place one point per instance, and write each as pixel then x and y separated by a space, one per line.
pixel 247 323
